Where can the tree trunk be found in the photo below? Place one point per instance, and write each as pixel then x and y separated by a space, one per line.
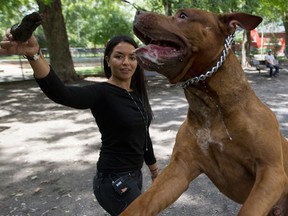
pixel 285 22
pixel 57 40
pixel 245 49
pixel 168 7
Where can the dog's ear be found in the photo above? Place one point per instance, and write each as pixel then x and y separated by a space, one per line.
pixel 244 20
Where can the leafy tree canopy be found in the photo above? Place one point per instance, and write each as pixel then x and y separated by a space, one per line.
pixel 91 23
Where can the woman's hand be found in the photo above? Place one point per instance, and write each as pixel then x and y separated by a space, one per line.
pixel 154 171
pixel 8 46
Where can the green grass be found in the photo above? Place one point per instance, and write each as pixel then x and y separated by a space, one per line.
pixel 89 71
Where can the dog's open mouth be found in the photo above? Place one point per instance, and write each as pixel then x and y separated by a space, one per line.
pixel 159 50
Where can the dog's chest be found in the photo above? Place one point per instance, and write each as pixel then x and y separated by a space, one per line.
pixel 206 141
pixel 207 120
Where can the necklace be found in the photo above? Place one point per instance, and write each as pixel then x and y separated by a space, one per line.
pixel 144 117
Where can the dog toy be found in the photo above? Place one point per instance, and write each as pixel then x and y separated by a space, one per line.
pixel 23 31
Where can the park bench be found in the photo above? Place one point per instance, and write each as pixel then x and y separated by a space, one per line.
pixel 259 64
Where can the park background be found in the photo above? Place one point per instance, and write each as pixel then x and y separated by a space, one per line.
pixel 75 32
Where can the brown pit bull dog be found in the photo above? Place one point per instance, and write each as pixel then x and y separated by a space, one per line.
pixel 229 134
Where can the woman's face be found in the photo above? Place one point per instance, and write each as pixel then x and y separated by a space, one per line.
pixel 122 61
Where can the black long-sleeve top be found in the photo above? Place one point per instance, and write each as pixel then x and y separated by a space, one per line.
pixel 126 142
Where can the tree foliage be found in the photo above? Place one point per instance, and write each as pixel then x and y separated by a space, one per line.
pixel 10 11
pixel 91 23
pixel 88 22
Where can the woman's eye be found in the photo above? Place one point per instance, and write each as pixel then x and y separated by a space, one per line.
pixel 118 57
pixel 183 16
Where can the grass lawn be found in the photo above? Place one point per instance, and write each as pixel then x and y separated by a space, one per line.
pixel 89 71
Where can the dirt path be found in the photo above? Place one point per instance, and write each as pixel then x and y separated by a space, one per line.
pixel 48 152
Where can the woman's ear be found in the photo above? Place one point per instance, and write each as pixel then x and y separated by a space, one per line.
pixel 107 60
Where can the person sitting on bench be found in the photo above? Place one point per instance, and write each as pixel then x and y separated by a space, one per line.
pixel 272 63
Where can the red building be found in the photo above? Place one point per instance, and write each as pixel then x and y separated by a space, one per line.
pixel 269 37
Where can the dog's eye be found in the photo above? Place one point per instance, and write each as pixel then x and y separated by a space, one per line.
pixel 182 15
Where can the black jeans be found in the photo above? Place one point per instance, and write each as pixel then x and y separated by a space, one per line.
pixel 276 67
pixel 108 198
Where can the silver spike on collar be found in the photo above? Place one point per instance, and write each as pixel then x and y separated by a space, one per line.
pixel 229 40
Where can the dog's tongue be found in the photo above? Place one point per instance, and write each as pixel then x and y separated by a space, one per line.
pixel 155 53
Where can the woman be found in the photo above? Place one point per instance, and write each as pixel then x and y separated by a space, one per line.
pixel 121 110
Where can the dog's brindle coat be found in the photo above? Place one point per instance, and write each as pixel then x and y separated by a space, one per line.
pixel 229 134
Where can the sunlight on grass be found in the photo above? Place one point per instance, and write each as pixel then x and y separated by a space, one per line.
pixel 89 71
